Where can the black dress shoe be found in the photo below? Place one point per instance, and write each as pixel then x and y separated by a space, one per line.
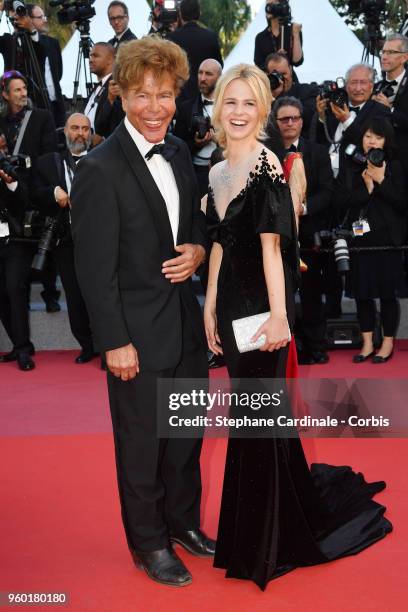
pixel 163 566
pixel 195 541
pixel 85 356
pixel 360 358
pixel 12 355
pixel 379 359
pixel 215 361
pixel 52 306
pixel 305 358
pixel 25 363
pixel 320 357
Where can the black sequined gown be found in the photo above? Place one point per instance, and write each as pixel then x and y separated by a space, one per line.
pixel 276 514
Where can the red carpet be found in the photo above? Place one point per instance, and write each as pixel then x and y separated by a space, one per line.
pixel 60 527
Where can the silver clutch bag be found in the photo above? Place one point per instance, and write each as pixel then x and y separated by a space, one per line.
pixel 247 327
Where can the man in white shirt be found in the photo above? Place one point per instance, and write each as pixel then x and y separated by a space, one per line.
pixel 139 235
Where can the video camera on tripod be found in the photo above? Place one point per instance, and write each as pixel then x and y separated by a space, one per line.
pixel 165 13
pixel 74 11
pixel 374 13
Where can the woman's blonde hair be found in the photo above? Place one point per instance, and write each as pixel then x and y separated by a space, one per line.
pixel 260 87
pixel 150 54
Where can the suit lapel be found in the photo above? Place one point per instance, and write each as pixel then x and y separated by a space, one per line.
pixel 153 196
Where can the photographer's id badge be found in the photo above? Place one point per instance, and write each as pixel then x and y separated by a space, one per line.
pixel 360 227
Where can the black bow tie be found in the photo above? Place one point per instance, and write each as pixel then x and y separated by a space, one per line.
pixel 356 109
pixel 208 102
pixel 165 149
pixel 76 158
pixel 392 83
pixel 291 149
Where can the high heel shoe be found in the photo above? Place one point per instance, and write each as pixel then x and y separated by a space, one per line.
pixel 379 359
pixel 361 358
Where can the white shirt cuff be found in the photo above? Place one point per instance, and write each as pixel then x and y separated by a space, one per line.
pixel 12 186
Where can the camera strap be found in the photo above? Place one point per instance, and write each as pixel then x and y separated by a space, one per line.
pixel 21 132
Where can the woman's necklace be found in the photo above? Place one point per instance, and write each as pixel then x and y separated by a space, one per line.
pixel 229 175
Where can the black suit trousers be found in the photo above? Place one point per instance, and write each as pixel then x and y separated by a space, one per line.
pixel 63 256
pixel 15 263
pixel 159 479
pixel 313 323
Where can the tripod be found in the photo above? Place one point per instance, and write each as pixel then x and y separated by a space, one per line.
pixel 85 44
pixel 372 42
pixel 31 69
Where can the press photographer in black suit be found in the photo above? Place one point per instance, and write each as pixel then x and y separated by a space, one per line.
pixel 139 235
pixel 394 56
pixel 270 40
pixel 278 62
pixel 118 15
pixel 54 173
pixel 199 109
pixel 33 130
pixel 103 108
pixel 314 216
pixel 374 196
pixel 53 63
pixel 345 125
pixel 198 42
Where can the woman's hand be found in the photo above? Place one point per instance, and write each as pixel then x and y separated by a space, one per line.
pixel 210 324
pixel 276 332
pixel 368 180
pixel 376 173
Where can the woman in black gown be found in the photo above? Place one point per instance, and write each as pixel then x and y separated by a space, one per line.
pixel 276 514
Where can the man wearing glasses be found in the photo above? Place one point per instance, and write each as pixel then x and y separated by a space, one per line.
pixel 394 89
pixel 118 15
pixel 53 63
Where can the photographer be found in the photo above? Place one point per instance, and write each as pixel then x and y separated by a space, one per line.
pixel 393 90
pixel 280 35
pixel 52 185
pixel 343 123
pixel 118 16
pixel 198 42
pixel 193 122
pixel 287 118
pixel 15 262
pixel 23 51
pixel 373 194
pixel 280 74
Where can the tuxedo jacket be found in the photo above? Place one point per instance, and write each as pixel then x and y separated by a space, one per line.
pixel 183 128
pixel 399 120
pixel 15 202
pixel 39 137
pixel 53 52
pixel 122 235
pixel 200 44
pixel 107 116
pixel 320 186
pixel 128 35
pixel 8 49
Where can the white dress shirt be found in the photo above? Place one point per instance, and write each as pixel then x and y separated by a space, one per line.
pixel 163 176
pixel 92 104
pixel 334 150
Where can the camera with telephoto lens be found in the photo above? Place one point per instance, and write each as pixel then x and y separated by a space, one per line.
pixel 10 164
pixel 280 11
pixel 17 6
pixel 48 240
pixel 200 125
pixel 374 155
pixel 334 91
pixel 168 12
pixel 338 239
pixel 276 79
pixel 74 10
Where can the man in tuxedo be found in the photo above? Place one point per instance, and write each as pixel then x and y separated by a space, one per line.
pixel 15 50
pixel 38 137
pixel 196 109
pixel 394 56
pixel 103 108
pixel 314 215
pixel 346 125
pixel 53 63
pixel 139 235
pixel 118 16
pixel 198 42
pixel 52 185
pixel 278 62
